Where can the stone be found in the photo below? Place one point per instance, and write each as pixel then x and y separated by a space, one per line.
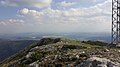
pixel 29 54
pixel 98 62
pixel 77 56
pixel 83 52
pixel 107 50
pixel 34 64
pixel 118 50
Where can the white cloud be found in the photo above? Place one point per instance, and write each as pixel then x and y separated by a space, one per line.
pixel 72 15
pixel 27 3
pixel 66 4
pixel 12 22
pixel 24 11
pixel 96 18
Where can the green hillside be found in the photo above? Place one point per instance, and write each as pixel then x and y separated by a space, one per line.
pixel 60 52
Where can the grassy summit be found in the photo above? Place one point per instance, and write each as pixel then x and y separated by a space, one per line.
pixel 54 52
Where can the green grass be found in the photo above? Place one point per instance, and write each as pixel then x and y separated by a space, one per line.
pixel 82 44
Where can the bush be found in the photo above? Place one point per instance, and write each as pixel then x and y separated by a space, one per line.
pixel 46 41
pixel 96 43
pixel 34 57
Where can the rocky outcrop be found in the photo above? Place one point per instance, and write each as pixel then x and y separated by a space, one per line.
pixel 57 52
pixel 90 62
pixel 98 62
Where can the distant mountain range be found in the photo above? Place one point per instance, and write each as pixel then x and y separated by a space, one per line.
pixel 106 37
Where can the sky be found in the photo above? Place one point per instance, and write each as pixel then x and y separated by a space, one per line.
pixel 55 16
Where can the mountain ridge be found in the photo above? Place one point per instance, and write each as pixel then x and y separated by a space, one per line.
pixel 60 52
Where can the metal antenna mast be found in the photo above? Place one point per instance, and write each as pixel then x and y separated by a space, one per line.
pixel 115 22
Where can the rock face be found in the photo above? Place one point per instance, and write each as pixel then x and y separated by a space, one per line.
pixel 57 52
pixel 98 62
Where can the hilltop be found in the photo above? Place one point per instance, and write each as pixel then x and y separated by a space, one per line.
pixel 62 52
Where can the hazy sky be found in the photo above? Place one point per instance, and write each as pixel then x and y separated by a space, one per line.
pixel 18 16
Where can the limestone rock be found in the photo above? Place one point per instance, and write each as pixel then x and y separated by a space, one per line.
pixel 98 62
